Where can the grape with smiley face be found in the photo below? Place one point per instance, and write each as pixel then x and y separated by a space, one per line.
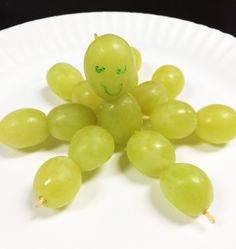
pixel 110 66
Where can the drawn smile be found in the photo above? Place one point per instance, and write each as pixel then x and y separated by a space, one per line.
pixel 113 93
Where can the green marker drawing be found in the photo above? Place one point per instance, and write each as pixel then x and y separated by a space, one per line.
pixel 120 70
pixel 99 69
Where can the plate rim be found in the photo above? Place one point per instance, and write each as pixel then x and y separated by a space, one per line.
pixel 44 19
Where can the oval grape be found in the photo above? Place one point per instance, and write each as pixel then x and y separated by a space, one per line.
pixel 150 152
pixel 62 78
pixel 84 95
pixel 109 66
pixel 171 77
pixel 174 119
pixel 188 188
pixel 57 182
pixel 149 95
pixel 216 124
pixel 121 118
pixel 66 119
pixel 91 147
pixel 24 128
pixel 138 58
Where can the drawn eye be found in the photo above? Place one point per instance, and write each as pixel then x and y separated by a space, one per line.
pixel 99 69
pixel 121 70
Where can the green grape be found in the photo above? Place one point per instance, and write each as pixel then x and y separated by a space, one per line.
pixel 138 58
pixel 133 84
pixel 91 147
pixel 84 95
pixel 188 188
pixel 62 78
pixel 65 120
pixel 171 77
pixel 149 95
pixel 121 118
pixel 24 128
pixel 57 182
pixel 109 66
pixel 150 152
pixel 174 119
pixel 216 124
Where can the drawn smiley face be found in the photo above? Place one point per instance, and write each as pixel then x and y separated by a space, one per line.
pixel 114 89
pixel 109 66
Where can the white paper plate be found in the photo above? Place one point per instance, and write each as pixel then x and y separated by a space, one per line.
pixel 118 207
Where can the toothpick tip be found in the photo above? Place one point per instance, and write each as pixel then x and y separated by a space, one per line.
pixel 209 217
pixel 40 202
